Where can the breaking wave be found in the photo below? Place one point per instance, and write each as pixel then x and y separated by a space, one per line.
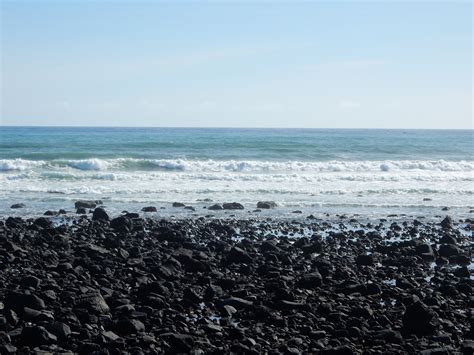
pixel 250 166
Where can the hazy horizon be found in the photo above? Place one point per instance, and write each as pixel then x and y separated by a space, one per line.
pixel 382 65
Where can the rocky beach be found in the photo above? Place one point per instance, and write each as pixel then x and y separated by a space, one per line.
pixel 94 283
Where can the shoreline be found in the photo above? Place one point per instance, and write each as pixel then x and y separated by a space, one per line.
pixel 213 285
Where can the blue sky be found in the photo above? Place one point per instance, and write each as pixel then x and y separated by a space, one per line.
pixel 341 64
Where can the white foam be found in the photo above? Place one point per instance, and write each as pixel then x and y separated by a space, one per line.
pixel 237 166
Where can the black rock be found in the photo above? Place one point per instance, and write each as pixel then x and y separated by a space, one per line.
pixel 179 343
pixel 17 301
pixel 310 281
pixel 81 210
pixel 448 250
pixel 129 326
pixel 447 223
pixel 100 215
pixel 149 209
pixel 18 205
pixel 419 319
pixel 232 206
pixel 93 302
pixel 178 204
pixel 30 281
pixel 36 336
pixel 122 224
pixel 237 255
pixel 43 223
pixel 59 329
pixel 215 207
pixel 447 239
pixel 87 204
pixel 266 204
pixel 366 260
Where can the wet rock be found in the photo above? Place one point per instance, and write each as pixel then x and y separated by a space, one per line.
pixel 232 206
pixel 149 209
pixel 99 214
pixel 18 205
pixel 43 223
pixel 81 210
pixel 448 250
pixel 178 204
pixel 447 223
pixel 86 204
pixel 215 207
pixel 122 224
pixel 266 204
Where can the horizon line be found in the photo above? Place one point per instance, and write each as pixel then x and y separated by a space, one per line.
pixel 223 127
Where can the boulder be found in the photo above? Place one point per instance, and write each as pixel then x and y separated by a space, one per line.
pixel 100 215
pixel 149 209
pixel 238 256
pixel 447 223
pixel 419 319
pixel 448 250
pixel 122 224
pixel 18 205
pixel 215 207
pixel 266 204
pixel 232 206
pixel 87 204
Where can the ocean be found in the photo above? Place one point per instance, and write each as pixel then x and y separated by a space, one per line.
pixel 316 171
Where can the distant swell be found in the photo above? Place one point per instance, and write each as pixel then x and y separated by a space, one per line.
pixel 251 166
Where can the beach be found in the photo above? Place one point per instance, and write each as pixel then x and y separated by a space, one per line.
pixel 135 283
pixel 236 241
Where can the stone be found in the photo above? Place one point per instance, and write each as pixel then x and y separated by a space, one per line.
pixel 36 336
pixel 86 204
pixel 18 205
pixel 447 223
pixel 149 209
pixel 129 326
pixel 237 255
pixel 99 214
pixel 448 250
pixel 232 206
pixel 418 319
pixel 266 204
pixel 215 207
pixel 122 224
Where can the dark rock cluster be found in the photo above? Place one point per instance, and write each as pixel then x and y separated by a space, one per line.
pixel 127 284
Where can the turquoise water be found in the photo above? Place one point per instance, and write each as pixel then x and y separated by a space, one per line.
pixel 356 171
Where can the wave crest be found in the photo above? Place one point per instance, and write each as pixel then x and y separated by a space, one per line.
pixel 250 166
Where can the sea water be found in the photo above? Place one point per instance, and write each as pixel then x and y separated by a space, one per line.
pixel 317 171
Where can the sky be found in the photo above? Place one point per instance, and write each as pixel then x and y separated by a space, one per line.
pixel 337 64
